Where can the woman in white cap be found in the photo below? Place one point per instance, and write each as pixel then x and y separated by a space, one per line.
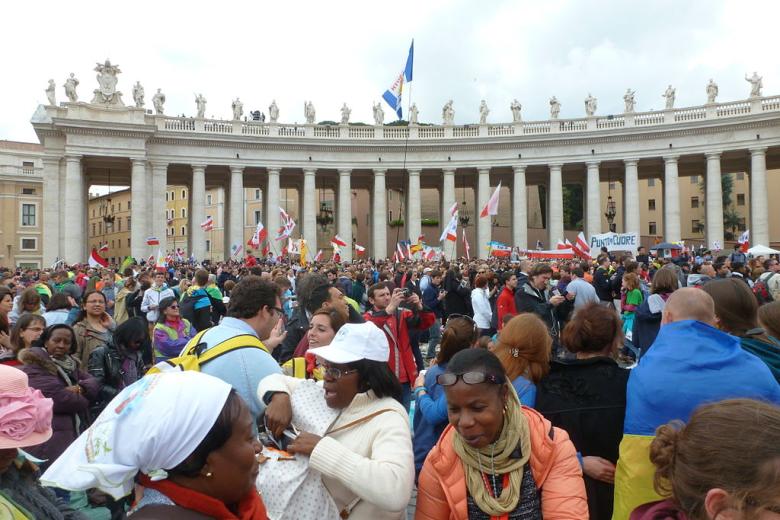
pixel 365 455
pixel 186 437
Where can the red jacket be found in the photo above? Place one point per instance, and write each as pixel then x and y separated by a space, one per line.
pixel 396 327
pixel 505 305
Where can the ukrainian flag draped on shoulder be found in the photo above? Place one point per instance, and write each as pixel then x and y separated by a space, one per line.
pixel 690 364
pixel 394 94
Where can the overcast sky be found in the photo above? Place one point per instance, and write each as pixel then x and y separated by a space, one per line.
pixel 351 51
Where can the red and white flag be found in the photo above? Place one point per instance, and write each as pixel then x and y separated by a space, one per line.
pixel 152 241
pixel 451 231
pixel 744 241
pixel 360 249
pixel 318 256
pixel 395 257
pixel 259 236
pixel 454 209
pixel 399 248
pixel 338 241
pixel 491 208
pixel 208 224
pixel 95 260
pixel 466 246
pixel 103 248
pixel 581 247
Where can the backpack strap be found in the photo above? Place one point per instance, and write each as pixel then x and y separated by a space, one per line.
pixel 193 344
pixel 234 343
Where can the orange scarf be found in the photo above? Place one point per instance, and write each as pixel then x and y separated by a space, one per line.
pixel 250 507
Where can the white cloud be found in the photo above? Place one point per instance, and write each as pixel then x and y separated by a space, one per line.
pixel 332 52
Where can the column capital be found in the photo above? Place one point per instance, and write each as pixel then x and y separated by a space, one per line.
pixel 309 171
pixel 51 159
pixel 519 168
pixel 274 171
pixel 631 161
pixel 555 166
pixel 414 171
pixel 380 172
pixel 670 159
pixel 72 157
pixel 483 169
pixel 236 169
pixel 344 172
pixel 448 171
pixel 158 165
pixel 593 164
pixel 760 150
pixel 712 155
pixel 198 167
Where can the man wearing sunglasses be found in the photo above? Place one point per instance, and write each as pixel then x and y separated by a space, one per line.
pixel 396 322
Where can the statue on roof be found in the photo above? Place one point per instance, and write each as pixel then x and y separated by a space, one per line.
pixel 106 93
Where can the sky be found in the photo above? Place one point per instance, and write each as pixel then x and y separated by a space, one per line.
pixel 351 51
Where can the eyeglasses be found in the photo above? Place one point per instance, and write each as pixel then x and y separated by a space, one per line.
pixel 335 372
pixel 276 309
pixel 174 306
pixel 470 378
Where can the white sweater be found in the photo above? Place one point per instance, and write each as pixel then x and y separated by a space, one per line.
pixel 373 460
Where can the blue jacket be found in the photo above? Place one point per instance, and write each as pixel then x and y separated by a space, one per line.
pixel 430 416
pixel 431 300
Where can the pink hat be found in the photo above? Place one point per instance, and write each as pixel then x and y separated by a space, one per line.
pixel 25 414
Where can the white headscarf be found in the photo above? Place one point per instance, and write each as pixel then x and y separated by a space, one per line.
pixel 152 425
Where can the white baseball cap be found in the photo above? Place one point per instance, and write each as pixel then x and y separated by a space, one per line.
pixel 356 341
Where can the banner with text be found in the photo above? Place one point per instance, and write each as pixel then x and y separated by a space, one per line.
pixel 614 242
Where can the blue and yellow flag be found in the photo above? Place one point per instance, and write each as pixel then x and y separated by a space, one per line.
pixel 690 364
pixel 393 96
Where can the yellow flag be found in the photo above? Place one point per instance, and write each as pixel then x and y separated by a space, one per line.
pixel 304 252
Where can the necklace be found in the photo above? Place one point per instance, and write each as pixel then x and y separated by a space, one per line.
pixel 492 467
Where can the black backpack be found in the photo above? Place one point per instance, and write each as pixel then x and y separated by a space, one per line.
pixel 761 290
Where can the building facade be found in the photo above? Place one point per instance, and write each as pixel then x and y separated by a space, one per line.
pixel 21 205
pixel 364 166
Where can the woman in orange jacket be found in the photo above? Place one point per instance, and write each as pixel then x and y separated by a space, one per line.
pixel 497 459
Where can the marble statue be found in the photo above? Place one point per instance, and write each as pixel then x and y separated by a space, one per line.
pixel 712 91
pixel 379 114
pixel 345 113
pixel 555 108
pixel 628 97
pixel 273 112
pixel 158 100
pixel 200 102
pixel 413 113
pixel 138 94
pixel 238 109
pixel 483 112
pixel 51 93
pixel 756 84
pixel 669 95
pixel 70 88
pixel 448 113
pixel 309 113
pixel 516 107
pixel 591 104
pixel 106 93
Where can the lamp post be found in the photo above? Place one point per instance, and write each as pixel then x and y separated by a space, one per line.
pixel 610 214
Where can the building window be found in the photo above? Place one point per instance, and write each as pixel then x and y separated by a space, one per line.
pixel 166 196
pixel 183 195
pixel 183 212
pixel 651 204
pixel 208 200
pixel 257 194
pixel 29 244
pixel 128 204
pixel 208 245
pixel 651 228
pixel 128 242
pixel 28 215
pixel 257 217
pixel 119 206
pixel 112 244
pixel 28 191
pixel 28 167
pixel 128 223
pixel 93 212
pixel 694 179
pixel 694 202
pixel 183 231
pixel 740 199
pixel 742 224
pixel 696 226
pixel 100 228
pixel 93 229
pixel 740 176
pixel 611 185
pixel 119 224
pixel 173 196
pixel 650 182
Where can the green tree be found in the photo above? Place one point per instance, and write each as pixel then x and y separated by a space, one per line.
pixel 572 206
pixel 731 221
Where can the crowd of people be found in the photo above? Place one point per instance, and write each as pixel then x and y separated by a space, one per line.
pixel 624 386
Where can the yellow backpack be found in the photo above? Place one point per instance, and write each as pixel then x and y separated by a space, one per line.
pixel 194 354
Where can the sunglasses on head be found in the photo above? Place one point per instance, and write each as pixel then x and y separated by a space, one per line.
pixel 470 378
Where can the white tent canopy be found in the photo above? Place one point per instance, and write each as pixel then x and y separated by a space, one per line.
pixel 759 250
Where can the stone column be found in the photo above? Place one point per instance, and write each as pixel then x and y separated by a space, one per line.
pixel 631 208
pixel 484 224
pixel 555 207
pixel 759 213
pixel 413 211
pixel 198 212
pixel 344 218
pixel 593 201
pixel 139 194
pixel 235 233
pixel 671 200
pixel 447 195
pixel 52 213
pixel 309 203
pixel 519 209
pixel 379 216
pixel 714 201
pixel 157 223
pixel 272 220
